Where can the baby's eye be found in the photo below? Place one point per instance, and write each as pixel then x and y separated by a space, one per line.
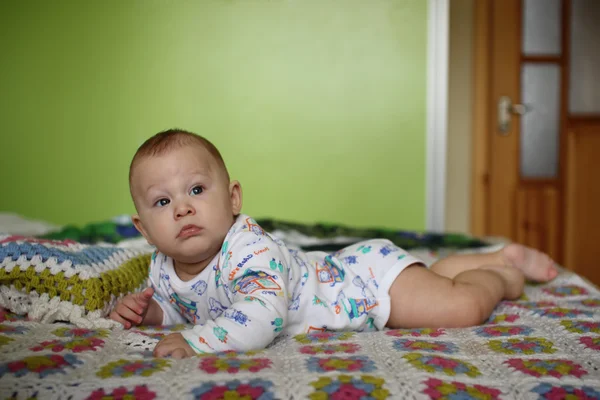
pixel 196 190
pixel 162 202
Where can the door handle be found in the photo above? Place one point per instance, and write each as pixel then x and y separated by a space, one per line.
pixel 505 110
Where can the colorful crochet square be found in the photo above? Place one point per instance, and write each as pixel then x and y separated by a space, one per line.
pixel 561 312
pixel 581 326
pixel 503 330
pixel 89 277
pixel 538 368
pixel 500 318
pixel 80 332
pixel 530 305
pixel 424 345
pixel 450 390
pixel 13 330
pixel 592 343
pixel 127 368
pixel 349 387
pixel 322 337
pixel 137 393
pixel 551 392
pixel 231 353
pixel 446 365
pixel 5 340
pixel 345 364
pixel 7 316
pixel 333 348
pixel 588 302
pixel 566 291
pixel 524 297
pixel 76 345
pixel 43 365
pixel 233 365
pixel 255 389
pixel 522 346
pixel 416 332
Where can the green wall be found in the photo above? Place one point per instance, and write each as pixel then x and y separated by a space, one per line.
pixel 317 106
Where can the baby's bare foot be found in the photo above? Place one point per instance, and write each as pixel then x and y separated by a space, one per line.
pixel 536 266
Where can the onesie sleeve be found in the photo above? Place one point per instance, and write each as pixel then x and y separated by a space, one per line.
pixel 255 271
pixel 170 315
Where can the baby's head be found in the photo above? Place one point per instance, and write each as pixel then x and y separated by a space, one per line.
pixel 184 198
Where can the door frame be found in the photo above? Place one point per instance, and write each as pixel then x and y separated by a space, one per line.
pixel 437 113
pixel 481 116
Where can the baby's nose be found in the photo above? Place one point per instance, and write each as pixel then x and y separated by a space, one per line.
pixel 183 210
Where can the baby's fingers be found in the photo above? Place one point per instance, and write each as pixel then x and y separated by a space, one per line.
pixel 135 303
pixel 148 292
pixel 173 345
pixel 179 353
pixel 163 349
pixel 171 350
pixel 143 298
pixel 116 317
pixel 128 313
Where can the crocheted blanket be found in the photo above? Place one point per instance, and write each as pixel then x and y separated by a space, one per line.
pixel 51 280
pixel 310 237
pixel 546 345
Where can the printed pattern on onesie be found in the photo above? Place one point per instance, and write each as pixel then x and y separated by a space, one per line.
pixel 240 303
pixel 256 289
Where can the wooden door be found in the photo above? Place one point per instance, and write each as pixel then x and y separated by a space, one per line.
pixel 522 197
pixel 525 125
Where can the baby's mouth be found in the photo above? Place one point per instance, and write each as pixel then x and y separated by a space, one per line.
pixel 188 231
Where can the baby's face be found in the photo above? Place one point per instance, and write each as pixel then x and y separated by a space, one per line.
pixel 185 203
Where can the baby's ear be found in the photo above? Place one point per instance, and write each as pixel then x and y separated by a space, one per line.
pixel 235 192
pixel 137 222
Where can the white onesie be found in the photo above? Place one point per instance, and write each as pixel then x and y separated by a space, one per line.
pixel 256 289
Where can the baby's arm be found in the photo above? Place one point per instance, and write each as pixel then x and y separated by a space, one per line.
pixel 259 321
pixel 137 309
pixel 259 324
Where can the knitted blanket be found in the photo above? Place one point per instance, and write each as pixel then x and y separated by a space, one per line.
pixel 310 237
pixel 51 280
pixel 546 345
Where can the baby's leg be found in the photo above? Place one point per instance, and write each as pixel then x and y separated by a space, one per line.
pixel 420 298
pixel 535 265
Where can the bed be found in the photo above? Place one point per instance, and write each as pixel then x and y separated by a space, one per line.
pixel 57 285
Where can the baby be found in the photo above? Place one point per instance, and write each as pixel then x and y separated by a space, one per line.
pixel 241 287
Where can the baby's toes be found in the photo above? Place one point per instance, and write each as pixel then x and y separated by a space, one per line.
pixel 547 267
pixel 552 271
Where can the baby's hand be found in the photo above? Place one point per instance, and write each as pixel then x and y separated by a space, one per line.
pixel 131 310
pixel 173 345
